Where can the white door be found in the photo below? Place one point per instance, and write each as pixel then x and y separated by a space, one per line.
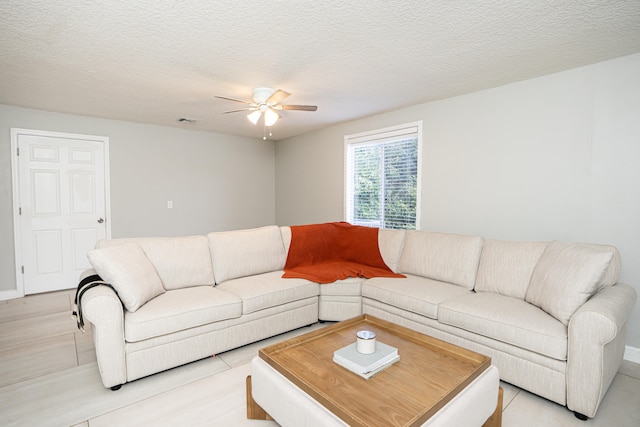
pixel 62 206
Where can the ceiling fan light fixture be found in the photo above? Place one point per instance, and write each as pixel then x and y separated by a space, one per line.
pixel 267 102
pixel 270 117
pixel 254 116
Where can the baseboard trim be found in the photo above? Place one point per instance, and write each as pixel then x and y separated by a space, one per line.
pixel 632 354
pixel 6 295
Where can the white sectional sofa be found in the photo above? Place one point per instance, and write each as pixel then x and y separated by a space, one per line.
pixel 551 315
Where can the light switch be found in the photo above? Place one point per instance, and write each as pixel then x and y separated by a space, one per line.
pixel 170 204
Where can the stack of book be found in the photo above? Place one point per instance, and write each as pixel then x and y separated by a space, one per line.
pixel 366 365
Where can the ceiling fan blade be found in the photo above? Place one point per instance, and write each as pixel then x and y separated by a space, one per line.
pixel 234 100
pixel 300 107
pixel 237 111
pixel 277 96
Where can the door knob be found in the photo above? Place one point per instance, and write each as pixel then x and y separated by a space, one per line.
pixel 100 220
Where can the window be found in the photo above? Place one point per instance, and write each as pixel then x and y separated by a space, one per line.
pixel 383 177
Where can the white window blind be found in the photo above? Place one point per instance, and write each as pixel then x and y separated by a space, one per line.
pixel 382 177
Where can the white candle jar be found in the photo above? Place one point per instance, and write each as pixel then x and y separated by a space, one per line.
pixel 366 342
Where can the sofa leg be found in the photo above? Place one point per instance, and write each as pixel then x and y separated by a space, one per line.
pixel 116 387
pixel 580 416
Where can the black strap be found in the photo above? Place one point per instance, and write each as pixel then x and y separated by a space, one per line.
pixel 84 285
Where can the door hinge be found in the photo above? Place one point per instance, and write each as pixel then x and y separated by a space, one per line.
pixel 18 151
pixel 19 211
pixel 22 268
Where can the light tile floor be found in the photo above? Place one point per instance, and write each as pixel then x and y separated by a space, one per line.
pixel 49 377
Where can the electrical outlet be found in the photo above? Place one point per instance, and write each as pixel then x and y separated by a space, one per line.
pixel 170 204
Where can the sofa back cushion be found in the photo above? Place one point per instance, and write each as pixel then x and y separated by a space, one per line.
pixel 241 253
pixel 129 271
pixel 612 274
pixel 181 262
pixel 285 232
pixel 567 275
pixel 390 243
pixel 506 266
pixel 451 258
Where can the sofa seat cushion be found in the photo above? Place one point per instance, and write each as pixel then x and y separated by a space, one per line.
pixel 180 309
pixel 510 320
pixel 351 286
pixel 416 294
pixel 266 290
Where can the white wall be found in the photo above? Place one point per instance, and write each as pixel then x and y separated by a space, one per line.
pixel 216 181
pixel 555 157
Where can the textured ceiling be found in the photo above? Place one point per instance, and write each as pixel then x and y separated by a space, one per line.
pixel 154 61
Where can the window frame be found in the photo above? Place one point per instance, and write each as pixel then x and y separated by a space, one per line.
pixel 374 137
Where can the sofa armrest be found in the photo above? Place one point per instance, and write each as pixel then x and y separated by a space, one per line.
pixel 597 333
pixel 102 307
pixel 86 273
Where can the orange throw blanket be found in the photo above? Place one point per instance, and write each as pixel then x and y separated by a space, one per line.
pixel 324 253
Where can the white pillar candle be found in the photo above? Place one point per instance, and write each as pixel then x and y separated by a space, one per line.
pixel 366 342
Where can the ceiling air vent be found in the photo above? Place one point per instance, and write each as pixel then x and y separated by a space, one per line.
pixel 187 120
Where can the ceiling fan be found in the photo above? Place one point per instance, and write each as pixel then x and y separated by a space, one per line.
pixel 267 101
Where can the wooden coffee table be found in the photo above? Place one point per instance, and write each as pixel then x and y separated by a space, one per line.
pixel 429 374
